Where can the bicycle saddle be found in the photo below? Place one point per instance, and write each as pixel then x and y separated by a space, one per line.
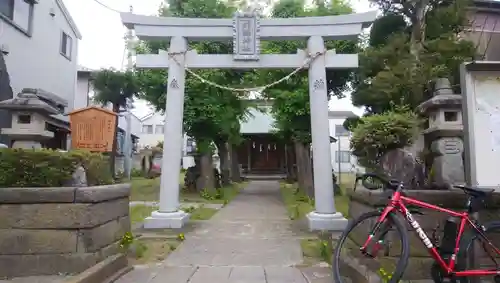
pixel 475 191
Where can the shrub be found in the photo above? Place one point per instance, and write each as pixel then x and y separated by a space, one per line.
pixel 377 134
pixel 96 165
pixel 35 168
pixel 48 168
pixel 134 173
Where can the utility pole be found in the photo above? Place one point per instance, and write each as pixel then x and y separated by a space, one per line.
pixel 339 177
pixel 128 115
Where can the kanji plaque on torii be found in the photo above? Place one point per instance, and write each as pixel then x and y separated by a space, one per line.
pixel 246 39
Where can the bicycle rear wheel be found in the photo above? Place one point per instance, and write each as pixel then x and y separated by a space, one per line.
pixel 485 257
pixel 353 263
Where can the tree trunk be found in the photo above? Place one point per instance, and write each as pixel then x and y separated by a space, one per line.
pixel 291 175
pixel 207 171
pixel 418 28
pixel 112 156
pixel 299 164
pixel 308 174
pixel 222 150
pixel 195 177
pixel 235 164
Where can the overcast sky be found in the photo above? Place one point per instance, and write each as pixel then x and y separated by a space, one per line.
pixel 102 43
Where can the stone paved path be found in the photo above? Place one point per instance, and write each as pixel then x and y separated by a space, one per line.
pixel 248 241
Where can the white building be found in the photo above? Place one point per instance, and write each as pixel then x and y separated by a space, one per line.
pixel 261 152
pixel 151 129
pixel 342 158
pixel 39 40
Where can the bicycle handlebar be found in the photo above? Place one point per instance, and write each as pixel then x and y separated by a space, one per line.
pixel 390 184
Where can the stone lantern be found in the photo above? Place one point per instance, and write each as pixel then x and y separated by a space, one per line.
pixel 444 133
pixel 29 118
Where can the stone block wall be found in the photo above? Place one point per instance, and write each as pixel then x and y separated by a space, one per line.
pixel 45 231
pixel 363 200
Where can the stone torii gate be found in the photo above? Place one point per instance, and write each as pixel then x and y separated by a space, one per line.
pixel 247 30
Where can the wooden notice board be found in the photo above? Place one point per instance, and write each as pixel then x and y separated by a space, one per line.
pixel 93 129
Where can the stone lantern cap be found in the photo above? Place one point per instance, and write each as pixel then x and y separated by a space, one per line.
pixel 443 98
pixel 28 102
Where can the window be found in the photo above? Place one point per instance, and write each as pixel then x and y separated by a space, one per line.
pixel 24 119
pixel 66 43
pixel 147 129
pixel 450 116
pixel 18 13
pixel 159 129
pixel 190 145
pixel 340 131
pixel 345 156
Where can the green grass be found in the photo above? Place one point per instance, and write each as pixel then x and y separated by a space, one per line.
pixel 203 213
pixel 228 194
pixel 346 185
pixel 317 249
pixel 144 189
pixel 298 204
pixel 151 250
pixel 346 179
pixel 342 204
pixel 139 212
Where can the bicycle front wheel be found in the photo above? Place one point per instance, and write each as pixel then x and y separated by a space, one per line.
pixel 386 255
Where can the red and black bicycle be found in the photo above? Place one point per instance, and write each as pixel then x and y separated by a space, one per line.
pixel 452 253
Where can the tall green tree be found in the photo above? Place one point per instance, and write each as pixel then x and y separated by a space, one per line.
pixel 411 44
pixel 211 114
pixel 291 108
pixel 115 88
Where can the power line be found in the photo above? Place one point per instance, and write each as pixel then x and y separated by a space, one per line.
pixel 107 7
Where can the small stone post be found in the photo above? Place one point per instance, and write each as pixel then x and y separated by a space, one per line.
pixel 444 134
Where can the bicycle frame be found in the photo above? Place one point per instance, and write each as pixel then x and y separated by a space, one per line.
pixel 399 202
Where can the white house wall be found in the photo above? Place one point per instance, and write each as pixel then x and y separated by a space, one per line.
pixel 145 139
pixel 258 122
pixel 344 143
pixel 83 89
pixel 135 124
pixel 36 62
